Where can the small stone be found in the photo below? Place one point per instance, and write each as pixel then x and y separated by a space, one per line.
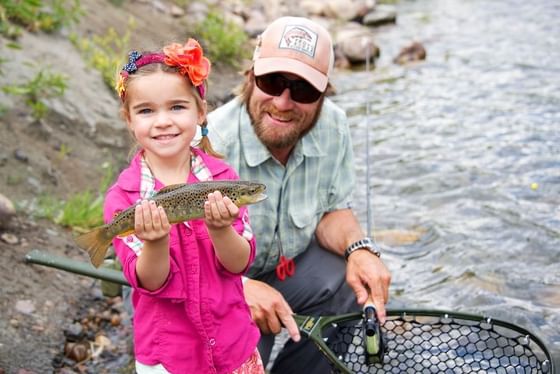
pixel 25 306
pixel 115 320
pixel 21 155
pixel 7 210
pixel 9 238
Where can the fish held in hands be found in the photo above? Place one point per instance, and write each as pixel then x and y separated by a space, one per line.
pixel 181 202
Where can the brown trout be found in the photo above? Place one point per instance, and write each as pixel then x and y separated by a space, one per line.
pixel 181 202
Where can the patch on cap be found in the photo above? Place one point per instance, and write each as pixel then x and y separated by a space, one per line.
pixel 300 39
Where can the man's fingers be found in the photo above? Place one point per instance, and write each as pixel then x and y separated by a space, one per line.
pixel 285 314
pixel 290 324
pixel 381 313
pixel 376 295
pixel 360 291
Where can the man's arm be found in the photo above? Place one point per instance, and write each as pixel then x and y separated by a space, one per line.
pixel 337 230
pixel 365 272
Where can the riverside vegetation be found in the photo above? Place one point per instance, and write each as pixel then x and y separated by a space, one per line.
pixel 60 133
pixel 61 146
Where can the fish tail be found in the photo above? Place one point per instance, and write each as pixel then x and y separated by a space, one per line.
pixel 96 242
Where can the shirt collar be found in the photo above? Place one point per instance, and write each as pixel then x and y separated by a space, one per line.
pixel 139 178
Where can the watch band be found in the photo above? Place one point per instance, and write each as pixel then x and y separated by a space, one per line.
pixel 365 243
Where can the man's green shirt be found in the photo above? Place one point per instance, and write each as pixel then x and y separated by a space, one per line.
pixel 318 178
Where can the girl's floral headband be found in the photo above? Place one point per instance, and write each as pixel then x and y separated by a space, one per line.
pixel 188 59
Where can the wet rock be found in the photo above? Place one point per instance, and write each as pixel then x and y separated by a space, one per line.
pixel 355 43
pixel 383 14
pixel 411 53
pixel 347 9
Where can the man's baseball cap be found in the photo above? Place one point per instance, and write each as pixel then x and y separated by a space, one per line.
pixel 295 45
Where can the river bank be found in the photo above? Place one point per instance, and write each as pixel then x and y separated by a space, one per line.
pixel 55 321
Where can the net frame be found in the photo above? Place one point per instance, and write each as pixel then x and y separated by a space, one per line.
pixel 429 341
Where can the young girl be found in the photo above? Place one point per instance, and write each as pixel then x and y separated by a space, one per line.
pixel 190 315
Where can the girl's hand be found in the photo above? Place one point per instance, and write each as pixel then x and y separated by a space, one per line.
pixel 150 222
pixel 219 211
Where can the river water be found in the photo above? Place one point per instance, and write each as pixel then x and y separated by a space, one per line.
pixel 465 148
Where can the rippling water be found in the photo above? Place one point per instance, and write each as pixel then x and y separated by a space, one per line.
pixel 466 147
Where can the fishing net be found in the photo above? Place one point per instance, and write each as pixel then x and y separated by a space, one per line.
pixel 438 342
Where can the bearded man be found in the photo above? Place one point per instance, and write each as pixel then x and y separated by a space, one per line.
pixel 313 257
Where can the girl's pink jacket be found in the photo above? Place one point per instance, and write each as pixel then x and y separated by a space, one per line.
pixel 198 321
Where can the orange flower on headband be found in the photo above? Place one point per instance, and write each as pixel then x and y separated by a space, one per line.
pixel 189 59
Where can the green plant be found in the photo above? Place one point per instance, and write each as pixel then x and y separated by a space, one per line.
pixel 223 41
pixel 13 180
pixel 47 207
pixel 64 151
pixel 43 86
pixel 105 52
pixel 6 28
pixel 35 15
pixel 81 211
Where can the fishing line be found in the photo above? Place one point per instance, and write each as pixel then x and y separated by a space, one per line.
pixel 369 218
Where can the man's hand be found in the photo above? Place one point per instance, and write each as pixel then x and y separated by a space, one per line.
pixel 269 309
pixel 368 277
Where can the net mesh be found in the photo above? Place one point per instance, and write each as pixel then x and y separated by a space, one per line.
pixel 439 345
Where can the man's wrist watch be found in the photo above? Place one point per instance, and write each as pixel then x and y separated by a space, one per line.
pixel 365 243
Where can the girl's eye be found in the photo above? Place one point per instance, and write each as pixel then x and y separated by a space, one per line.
pixel 144 111
pixel 178 107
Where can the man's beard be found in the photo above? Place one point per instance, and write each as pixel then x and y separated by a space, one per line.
pixel 277 137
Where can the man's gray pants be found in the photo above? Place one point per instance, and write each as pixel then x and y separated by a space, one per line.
pixel 318 287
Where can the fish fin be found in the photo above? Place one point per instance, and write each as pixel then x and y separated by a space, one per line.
pixel 96 242
pixel 171 187
pixel 125 234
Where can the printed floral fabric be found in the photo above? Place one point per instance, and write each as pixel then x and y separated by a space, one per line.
pixel 253 365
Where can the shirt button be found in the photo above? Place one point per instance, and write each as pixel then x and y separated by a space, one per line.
pixel 212 341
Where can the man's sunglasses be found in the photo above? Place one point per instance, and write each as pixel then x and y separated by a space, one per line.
pixel 300 90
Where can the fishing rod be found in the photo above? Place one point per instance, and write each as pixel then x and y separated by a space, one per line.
pixel 374 345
